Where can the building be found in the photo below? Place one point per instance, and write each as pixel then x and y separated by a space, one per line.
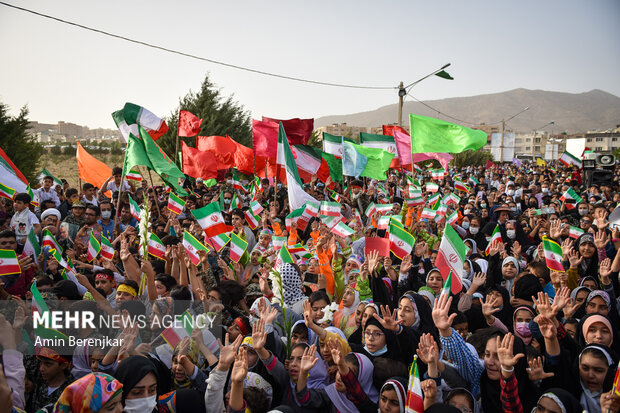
pixel 341 129
pixel 603 142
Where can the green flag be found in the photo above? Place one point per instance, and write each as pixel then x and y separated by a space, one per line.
pixel 135 155
pixel 378 160
pixel 434 135
pixel 161 163
pixel 335 166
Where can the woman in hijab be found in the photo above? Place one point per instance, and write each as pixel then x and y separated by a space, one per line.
pixel 595 363
pixel 557 400
pixel 596 329
pixel 379 342
pixel 521 323
pixel 506 311
pixel 526 287
pixel 138 376
pixel 344 318
pixel 393 395
pixel 364 311
pixel 587 250
pixel 92 393
pixel 292 288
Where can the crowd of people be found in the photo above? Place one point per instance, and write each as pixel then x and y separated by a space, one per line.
pixel 336 330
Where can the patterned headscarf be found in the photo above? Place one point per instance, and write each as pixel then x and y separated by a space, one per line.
pixel 256 380
pixel 292 285
pixel 88 394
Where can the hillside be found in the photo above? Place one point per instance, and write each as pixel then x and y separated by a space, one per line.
pixel 571 112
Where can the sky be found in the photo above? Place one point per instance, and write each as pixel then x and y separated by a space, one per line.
pixel 62 72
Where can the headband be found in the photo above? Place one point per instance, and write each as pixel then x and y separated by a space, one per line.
pixel 241 325
pixel 104 276
pixel 596 319
pixel 48 353
pixel 127 289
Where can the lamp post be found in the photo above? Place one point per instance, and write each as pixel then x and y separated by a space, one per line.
pixel 501 144
pixel 403 90
pixel 536 132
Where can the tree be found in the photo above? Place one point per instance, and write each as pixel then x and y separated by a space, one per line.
pixel 69 150
pixel 19 144
pixel 56 150
pixel 473 158
pixel 617 153
pixel 221 116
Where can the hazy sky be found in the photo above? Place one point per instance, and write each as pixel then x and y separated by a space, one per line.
pixel 66 73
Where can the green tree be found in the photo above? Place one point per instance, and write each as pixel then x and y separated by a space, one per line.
pixel 221 116
pixel 56 150
pixel 19 144
pixel 617 153
pixel 473 158
pixel 69 150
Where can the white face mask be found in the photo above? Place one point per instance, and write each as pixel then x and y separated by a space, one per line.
pixel 106 214
pixel 465 225
pixel 144 405
pixel 474 230
pixel 545 190
pixel 510 192
pixel 511 233
pixel 583 211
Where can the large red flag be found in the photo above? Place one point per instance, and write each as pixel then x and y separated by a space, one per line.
pixel 223 147
pixel 265 138
pixel 298 131
pixel 189 124
pixel 198 164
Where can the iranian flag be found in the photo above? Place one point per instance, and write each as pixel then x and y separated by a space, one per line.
pixel 570 194
pixel 156 247
pixel 32 246
pixel 412 202
pixel 384 209
pixel 38 303
pixel 179 330
pixel 210 219
pixel 278 242
pixel 441 210
pixel 9 263
pixel 312 209
pixel 237 247
pixel 10 176
pixel 575 232
pixel 294 217
pixel 452 218
pixel 192 246
pixel 218 242
pixel 256 207
pixel 384 142
pixel 496 236
pixel 335 196
pixel 450 257
pixel 107 250
pixel 342 230
pixel 34 196
pixel 284 257
pixel 568 159
pixel 460 186
pixel 383 222
pixel 297 197
pixel 299 250
pixel 371 209
pixel 438 173
pixel 553 255
pixel 447 285
pixel 428 213
pixel 134 208
pixel 175 204
pixel 330 209
pixel 401 242
pixel 93 248
pixel 131 116
pixel 252 219
pixel 432 187
pixel 332 144
pixel 236 181
pixel 6 192
pixel 415 400
pixel 50 241
pixel 308 161
pixel 474 180
pixel 433 200
pixel 452 199
pixel 134 175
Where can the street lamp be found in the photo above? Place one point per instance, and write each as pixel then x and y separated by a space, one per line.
pixel 403 90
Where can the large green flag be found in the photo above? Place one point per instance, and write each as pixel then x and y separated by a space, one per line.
pixel 434 135
pixel 135 155
pixel 378 161
pixel 335 166
pixel 161 163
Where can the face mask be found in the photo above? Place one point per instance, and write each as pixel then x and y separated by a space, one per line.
pixel 583 211
pixel 378 352
pixel 474 230
pixel 106 214
pixel 523 329
pixel 545 190
pixel 279 186
pixel 512 234
pixel 513 209
pixel 465 225
pixel 488 239
pixel 229 181
pixel 510 192
pixel 227 201
pixel 146 404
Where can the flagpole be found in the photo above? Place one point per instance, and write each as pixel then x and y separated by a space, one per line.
pixel 154 193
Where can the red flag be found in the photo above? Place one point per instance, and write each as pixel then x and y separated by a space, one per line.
pixel 223 148
pixel 265 138
pixel 189 124
pixel 490 164
pixel 297 130
pixel 198 164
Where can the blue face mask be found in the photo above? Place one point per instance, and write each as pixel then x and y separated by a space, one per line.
pixel 378 352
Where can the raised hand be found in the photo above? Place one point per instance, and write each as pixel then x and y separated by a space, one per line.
pixel 428 350
pixel 227 352
pixel 389 318
pixel 555 229
pixel 373 260
pixel 561 299
pixel 507 359
pixel 420 248
pixel 307 314
pixel 535 370
pixel 259 337
pixel 516 249
pixel 574 258
pixel 429 388
pixel 570 308
pixel 405 264
pixel 489 306
pixel 567 246
pixel 336 352
pixel 441 317
pixel 308 360
pixel 544 306
pixel 479 280
pixel 604 271
pixel 547 329
pixel 601 239
pixel 240 368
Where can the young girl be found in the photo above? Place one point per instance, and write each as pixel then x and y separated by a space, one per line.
pixel 344 319
pixel 95 392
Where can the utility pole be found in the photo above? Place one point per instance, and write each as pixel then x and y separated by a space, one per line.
pixel 501 144
pixel 401 97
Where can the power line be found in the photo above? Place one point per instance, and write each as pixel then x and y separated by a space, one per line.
pixel 165 49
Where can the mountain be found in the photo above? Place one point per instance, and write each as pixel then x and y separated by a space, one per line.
pixel 571 112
